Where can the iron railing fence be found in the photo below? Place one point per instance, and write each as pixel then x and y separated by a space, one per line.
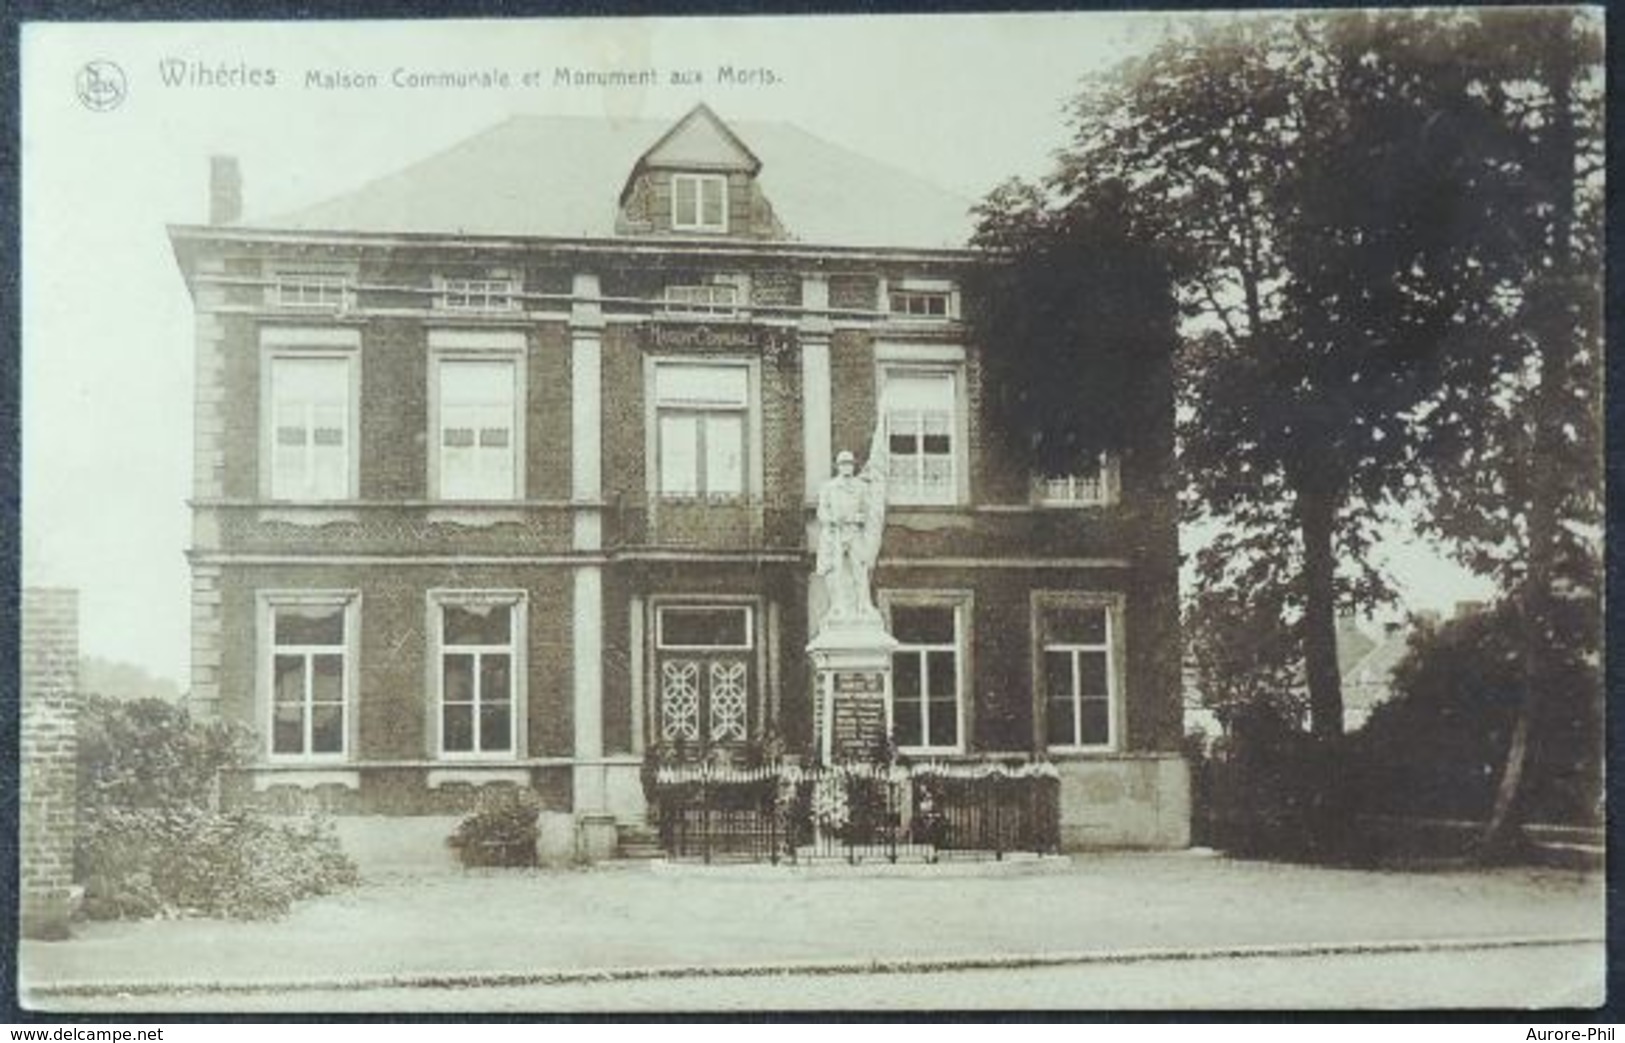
pixel 857 812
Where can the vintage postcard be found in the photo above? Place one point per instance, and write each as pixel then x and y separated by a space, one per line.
pixel 1072 511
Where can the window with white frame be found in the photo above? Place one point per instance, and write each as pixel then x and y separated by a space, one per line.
pixel 919 408
pixel 310 426
pixel 701 422
pixel 926 674
pixel 309 676
pixel 711 299
pixel 1079 675
pixel 699 202
pixel 476 431
pixel 704 674
pixel 1078 489
pixel 479 675
pixel 478 295
pixel 309 288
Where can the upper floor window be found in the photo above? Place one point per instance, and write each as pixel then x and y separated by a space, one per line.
pixel 309 659
pixel 1090 488
pixel 928 300
pixel 310 427
pixel 719 299
pixel 476 427
pixel 701 419
pixel 310 288
pixel 1078 651
pixel 477 295
pixel 699 202
pixel 920 413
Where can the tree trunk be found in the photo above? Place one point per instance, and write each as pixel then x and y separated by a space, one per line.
pixel 1554 333
pixel 1316 513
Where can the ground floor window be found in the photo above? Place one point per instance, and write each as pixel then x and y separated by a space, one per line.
pixel 479 674
pixel 309 674
pixel 704 681
pixel 927 673
pixel 1078 676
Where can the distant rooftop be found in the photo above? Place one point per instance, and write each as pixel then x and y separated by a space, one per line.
pixel 561 176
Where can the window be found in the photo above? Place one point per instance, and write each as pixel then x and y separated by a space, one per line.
pixel 922 300
pixel 701 411
pixel 479 674
pixel 1087 489
pixel 699 202
pixel 1078 676
pixel 721 299
pixel 309 675
pixel 310 427
pixel 309 288
pixel 926 675
pixel 476 432
pixel 704 675
pixel 920 416
pixel 478 295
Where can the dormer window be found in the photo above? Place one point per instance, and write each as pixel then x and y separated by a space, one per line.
pixel 699 202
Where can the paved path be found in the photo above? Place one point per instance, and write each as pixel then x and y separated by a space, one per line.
pixel 497 923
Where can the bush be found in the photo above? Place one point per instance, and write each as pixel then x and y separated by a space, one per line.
pixel 150 841
pixel 501 831
pixel 178 861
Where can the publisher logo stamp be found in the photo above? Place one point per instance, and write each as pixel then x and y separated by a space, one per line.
pixel 100 85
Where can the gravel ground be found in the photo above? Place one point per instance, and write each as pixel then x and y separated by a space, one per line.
pixel 632 915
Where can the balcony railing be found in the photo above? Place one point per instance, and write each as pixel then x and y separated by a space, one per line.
pixel 858 812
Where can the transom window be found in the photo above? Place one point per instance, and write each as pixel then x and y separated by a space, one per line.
pixel 476 431
pixel 701 414
pixel 1078 676
pixel 705 679
pixel 310 427
pixel 919 411
pixel 926 676
pixel 478 676
pixel 479 295
pixel 309 679
pixel 699 202
pixel 309 288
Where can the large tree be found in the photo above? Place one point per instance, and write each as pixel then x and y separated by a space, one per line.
pixel 1514 441
pixel 1311 183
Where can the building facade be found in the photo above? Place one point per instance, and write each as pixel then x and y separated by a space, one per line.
pixel 506 468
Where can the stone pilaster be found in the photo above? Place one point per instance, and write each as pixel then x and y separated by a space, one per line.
pixel 587 493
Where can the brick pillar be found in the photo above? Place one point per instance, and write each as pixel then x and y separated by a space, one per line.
pixel 49 747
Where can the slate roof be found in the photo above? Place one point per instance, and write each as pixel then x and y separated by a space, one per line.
pixel 560 176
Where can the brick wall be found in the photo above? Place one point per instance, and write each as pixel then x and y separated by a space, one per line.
pixel 50 700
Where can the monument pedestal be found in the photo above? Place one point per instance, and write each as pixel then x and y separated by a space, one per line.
pixel 852 691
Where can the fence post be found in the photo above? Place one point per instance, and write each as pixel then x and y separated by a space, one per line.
pixel 998 826
pixel 705 818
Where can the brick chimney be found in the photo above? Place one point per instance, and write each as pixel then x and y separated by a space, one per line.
pixel 225 190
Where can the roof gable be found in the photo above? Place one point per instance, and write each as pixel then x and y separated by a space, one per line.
pixel 700 141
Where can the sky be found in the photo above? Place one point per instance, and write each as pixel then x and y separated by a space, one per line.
pixel 964 100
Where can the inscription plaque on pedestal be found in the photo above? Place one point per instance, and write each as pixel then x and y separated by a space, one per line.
pixel 859 708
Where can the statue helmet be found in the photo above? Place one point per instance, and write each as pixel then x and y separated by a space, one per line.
pixel 845 456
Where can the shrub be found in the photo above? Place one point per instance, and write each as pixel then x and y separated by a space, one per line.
pixel 150 841
pixel 501 831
